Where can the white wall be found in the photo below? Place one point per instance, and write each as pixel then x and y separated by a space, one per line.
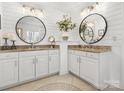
pixel 122 59
pixel 0 20
pixel 12 12
pixel 122 67
pixel 114 15
pixel 113 12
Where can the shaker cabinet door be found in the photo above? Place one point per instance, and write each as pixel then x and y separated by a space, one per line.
pixel 41 65
pixel 74 64
pixel 89 71
pixel 26 68
pixel 83 68
pixel 8 72
pixel 53 63
pixel 92 73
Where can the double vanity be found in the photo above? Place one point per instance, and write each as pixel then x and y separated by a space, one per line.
pixel 25 64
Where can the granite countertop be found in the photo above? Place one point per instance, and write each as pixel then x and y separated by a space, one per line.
pixel 85 48
pixel 28 48
pixel 89 48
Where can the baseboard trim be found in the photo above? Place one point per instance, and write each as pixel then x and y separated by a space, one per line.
pixel 85 81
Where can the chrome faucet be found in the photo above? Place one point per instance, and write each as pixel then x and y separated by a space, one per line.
pixel 53 44
pixel 32 45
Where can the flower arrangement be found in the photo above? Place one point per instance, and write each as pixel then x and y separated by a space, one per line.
pixel 66 24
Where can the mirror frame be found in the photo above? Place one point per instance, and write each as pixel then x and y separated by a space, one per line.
pixel 102 35
pixel 37 19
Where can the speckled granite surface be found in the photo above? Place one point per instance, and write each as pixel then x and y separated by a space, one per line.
pixel 28 48
pixel 91 48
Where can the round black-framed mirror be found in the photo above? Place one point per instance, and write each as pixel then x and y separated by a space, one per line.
pixel 97 23
pixel 30 29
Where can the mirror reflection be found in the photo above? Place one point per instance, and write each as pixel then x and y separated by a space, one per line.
pixel 93 28
pixel 30 29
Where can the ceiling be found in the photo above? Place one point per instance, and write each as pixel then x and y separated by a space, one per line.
pixel 66 7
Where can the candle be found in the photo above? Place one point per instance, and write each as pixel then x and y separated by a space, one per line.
pixel 5 35
pixel 12 36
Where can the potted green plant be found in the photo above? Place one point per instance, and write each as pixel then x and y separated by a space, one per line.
pixel 65 25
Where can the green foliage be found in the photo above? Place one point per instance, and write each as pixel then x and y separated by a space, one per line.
pixel 66 24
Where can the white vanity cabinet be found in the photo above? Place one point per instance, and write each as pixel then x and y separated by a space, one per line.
pixel 89 70
pixel 37 64
pixel 41 63
pixel 92 67
pixel 20 67
pixel 83 66
pixel 53 61
pixel 26 66
pixel 33 64
pixel 74 63
pixel 8 69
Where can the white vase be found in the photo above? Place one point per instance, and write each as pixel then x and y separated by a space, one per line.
pixel 65 36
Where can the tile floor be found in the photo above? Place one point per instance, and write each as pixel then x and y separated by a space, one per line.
pixel 64 83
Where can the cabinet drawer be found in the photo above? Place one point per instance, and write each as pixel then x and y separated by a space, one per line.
pixel 92 60
pixel 8 55
pixel 42 52
pixel 77 52
pixel 71 51
pixel 93 55
pixel 82 53
pixel 53 52
pixel 32 53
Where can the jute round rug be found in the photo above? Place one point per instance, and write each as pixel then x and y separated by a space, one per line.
pixel 58 87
